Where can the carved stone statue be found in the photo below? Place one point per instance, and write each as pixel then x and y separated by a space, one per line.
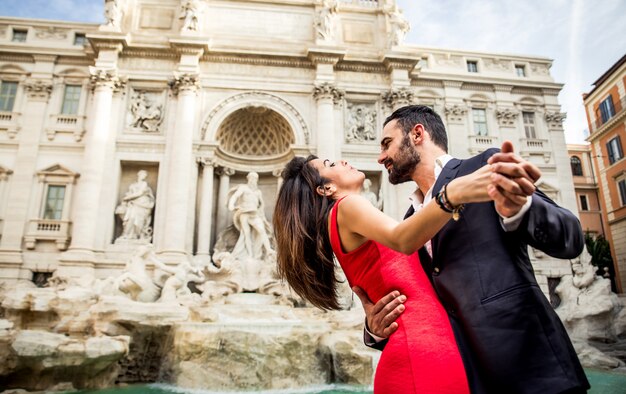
pixel 376 201
pixel 325 20
pixel 398 26
pixel 361 124
pixel 136 210
pixel 175 285
pixel 147 116
pixel 246 201
pixel 113 13
pixel 189 13
pixel 135 281
pixel 588 307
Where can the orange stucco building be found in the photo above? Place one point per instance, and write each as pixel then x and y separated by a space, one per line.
pixel 586 189
pixel 605 106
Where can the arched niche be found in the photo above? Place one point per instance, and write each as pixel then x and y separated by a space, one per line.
pixel 218 115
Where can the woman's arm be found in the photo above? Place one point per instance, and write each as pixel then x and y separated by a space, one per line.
pixel 360 221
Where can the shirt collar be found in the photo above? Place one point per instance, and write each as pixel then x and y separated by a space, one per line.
pixel 417 196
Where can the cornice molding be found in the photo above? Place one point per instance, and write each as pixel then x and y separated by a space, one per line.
pixel 294 62
pixel 525 90
pixel 323 55
pixel 427 83
pixel 481 87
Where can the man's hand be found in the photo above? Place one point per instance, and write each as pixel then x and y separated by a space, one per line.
pixel 513 180
pixel 381 317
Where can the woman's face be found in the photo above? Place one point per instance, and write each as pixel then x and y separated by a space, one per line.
pixel 340 173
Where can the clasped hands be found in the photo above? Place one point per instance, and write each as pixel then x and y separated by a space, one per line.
pixel 513 181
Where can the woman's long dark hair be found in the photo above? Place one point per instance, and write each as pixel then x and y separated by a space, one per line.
pixel 304 252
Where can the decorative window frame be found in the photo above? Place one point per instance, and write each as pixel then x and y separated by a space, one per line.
pixel 619 177
pixel 40 229
pixel 62 124
pixel 10 121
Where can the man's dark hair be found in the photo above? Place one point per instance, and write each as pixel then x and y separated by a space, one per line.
pixel 411 115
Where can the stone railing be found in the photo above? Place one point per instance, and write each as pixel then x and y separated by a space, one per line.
pixel 536 147
pixel 61 123
pixel 480 143
pixel 534 144
pixel 57 231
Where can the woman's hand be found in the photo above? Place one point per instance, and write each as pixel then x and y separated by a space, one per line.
pixel 471 187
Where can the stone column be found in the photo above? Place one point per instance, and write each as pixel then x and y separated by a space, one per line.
pixel 88 191
pixel 328 139
pixel 222 198
pixel 206 205
pixel 21 190
pixel 185 86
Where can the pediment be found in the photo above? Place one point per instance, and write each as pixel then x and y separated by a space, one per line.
pixel 57 171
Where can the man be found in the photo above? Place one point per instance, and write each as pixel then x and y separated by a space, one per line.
pixel 510 338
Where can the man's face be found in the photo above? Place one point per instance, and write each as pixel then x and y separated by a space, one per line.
pixel 397 153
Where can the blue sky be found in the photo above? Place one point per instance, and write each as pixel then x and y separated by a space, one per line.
pixel 584 37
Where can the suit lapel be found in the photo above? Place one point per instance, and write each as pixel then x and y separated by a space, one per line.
pixel 449 172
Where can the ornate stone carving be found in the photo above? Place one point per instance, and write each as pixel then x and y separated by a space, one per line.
pixel 327 90
pixel 184 82
pixel 225 171
pixel 145 112
pixel 325 19
pixel 361 123
pixel 448 59
pixel 51 33
pixel 555 119
pixel 507 117
pixel 540 69
pixel 397 26
pixel 398 97
pixel 105 77
pixel 497 64
pixel 207 161
pixel 189 14
pixel 455 113
pixel 135 211
pixel 113 13
pixel 38 89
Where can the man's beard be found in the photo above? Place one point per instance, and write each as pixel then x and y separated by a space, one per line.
pixel 404 164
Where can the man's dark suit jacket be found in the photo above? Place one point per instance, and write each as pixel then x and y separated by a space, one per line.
pixel 510 338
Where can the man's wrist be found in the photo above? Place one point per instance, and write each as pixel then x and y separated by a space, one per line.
pixel 375 337
pixel 512 223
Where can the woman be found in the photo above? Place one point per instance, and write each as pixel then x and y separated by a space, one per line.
pixel 319 211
